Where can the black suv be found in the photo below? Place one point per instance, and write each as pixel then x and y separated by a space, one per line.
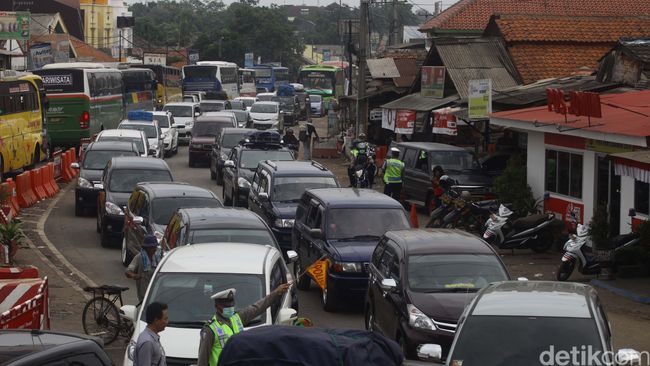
pixel 119 179
pixel 342 225
pixel 27 347
pixel 95 157
pixel 460 164
pixel 420 282
pixel 152 205
pixel 227 139
pixel 242 162
pixel 277 188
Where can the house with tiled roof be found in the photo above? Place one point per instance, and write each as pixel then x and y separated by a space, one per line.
pixel 549 46
pixel 472 16
pixel 627 63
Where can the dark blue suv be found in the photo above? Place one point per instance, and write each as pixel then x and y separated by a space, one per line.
pixel 342 225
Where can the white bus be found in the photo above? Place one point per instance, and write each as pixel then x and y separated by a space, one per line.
pixel 226 73
pixel 247 86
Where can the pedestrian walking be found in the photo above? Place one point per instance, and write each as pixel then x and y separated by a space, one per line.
pixel 148 350
pixel 227 322
pixel 144 264
pixel 393 169
pixel 307 141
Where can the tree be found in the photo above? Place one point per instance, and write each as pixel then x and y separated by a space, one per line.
pixel 511 187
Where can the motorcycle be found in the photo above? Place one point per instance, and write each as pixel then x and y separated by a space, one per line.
pixel 364 170
pixel 446 205
pixel 470 215
pixel 530 232
pixel 578 249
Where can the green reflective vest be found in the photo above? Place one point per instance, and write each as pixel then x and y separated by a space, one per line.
pixel 393 172
pixel 222 332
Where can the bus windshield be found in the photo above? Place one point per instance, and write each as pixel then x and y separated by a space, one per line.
pixel 318 81
pixel 263 73
pixel 200 72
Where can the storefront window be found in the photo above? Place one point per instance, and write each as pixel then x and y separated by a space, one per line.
pixel 564 173
pixel 642 197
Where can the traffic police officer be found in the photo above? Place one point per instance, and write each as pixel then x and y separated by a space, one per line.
pixel 227 322
pixel 393 169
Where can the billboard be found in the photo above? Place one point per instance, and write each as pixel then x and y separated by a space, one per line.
pixel 405 121
pixel 14 25
pixel 479 99
pixel 433 81
pixel 40 54
pixel 154 59
pixel 248 59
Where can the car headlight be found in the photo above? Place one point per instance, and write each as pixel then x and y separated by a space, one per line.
pixel 418 319
pixel 243 183
pixel 130 350
pixel 354 267
pixel 113 209
pixel 84 183
pixel 284 223
pixel 197 146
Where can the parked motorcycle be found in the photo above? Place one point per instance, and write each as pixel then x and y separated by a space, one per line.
pixel 445 206
pixel 470 215
pixel 530 232
pixel 578 249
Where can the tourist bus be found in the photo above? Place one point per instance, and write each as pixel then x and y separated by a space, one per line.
pixel 247 86
pixel 168 84
pixel 21 112
pixel 324 80
pixel 212 76
pixel 268 77
pixel 280 76
pixel 139 89
pixel 84 98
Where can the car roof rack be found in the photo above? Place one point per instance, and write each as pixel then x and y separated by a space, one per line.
pixel 262 139
pixel 318 165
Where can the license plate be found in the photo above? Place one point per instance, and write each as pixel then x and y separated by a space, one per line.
pixel 54 120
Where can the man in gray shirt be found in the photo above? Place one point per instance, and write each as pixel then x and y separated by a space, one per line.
pixel 148 350
pixel 144 264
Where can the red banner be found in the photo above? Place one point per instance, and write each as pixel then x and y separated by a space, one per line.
pixel 581 103
pixel 563 209
pixel 405 121
pixel 444 123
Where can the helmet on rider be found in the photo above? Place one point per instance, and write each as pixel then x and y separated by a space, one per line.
pixel 582 230
pixel 363 137
pixel 446 182
pixel 289 131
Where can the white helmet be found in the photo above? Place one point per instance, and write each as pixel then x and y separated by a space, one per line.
pixel 504 211
pixel 582 230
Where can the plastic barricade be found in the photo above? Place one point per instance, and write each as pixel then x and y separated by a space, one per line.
pixel 37 184
pixel 7 207
pixel 23 190
pixel 66 172
pixel 24 304
pixel 73 159
pixel 9 273
pixel 43 182
pixel 48 180
pixel 14 195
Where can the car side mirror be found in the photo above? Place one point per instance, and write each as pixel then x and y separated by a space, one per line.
pixel 74 165
pixel 263 196
pixel 98 186
pixel 292 255
pixel 316 233
pixel 388 284
pixel 286 316
pixel 628 356
pixel 130 312
pixel 229 164
pixel 138 220
pixel 430 352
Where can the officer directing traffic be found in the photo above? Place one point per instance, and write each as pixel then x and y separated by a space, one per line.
pixel 227 322
pixel 393 169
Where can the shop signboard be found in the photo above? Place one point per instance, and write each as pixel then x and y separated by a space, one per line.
pixel 14 25
pixel 433 81
pixel 479 99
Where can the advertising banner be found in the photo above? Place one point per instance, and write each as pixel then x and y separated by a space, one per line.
pixel 405 121
pixel 14 25
pixel 444 123
pixel 40 54
pixel 479 99
pixel 154 59
pixel 433 81
pixel 248 59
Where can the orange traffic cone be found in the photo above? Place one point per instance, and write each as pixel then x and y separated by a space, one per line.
pixel 414 217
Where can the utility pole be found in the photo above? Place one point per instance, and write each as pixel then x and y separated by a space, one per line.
pixel 119 58
pixel 362 102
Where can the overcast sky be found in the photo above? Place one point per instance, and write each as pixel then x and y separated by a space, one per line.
pixel 417 4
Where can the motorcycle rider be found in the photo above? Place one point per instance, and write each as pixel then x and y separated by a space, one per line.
pixel 290 140
pixel 359 157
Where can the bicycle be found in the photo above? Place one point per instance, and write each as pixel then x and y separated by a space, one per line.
pixel 102 318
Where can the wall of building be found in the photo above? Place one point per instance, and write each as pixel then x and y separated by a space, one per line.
pixel 627 202
pixel 537 160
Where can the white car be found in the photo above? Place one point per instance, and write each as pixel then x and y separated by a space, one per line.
pixel 266 97
pixel 170 134
pixel 151 130
pixel 184 114
pixel 265 115
pixel 188 275
pixel 248 101
pixel 137 137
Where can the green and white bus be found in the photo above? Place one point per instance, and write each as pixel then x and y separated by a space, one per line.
pixel 324 80
pixel 84 98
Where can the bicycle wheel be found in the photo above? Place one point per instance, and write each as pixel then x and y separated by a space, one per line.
pixel 101 318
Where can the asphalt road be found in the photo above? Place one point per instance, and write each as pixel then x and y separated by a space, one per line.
pixel 76 239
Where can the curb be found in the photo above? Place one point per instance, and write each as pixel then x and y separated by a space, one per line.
pixel 621 292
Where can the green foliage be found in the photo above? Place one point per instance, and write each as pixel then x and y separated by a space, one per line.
pixel 511 187
pixel 643 229
pixel 599 228
pixel 11 232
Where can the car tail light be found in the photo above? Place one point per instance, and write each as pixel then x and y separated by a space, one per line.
pixel 84 120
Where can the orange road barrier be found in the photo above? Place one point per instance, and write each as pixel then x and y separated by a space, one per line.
pixel 50 184
pixel 37 184
pixel 414 217
pixel 14 195
pixel 73 158
pixel 7 207
pixel 66 171
pixel 26 197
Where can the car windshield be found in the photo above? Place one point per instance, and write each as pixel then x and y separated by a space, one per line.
pixel 212 128
pixel 163 208
pixel 290 189
pixel 315 98
pixel 179 110
pixel 187 295
pixel 250 158
pixel 231 140
pixel 163 121
pixel 247 102
pixel 149 130
pixel 236 104
pixel 353 223
pixel 232 235
pixel 450 272
pixel 265 98
pixel 138 141
pixel 125 180
pixel 240 115
pixel 264 108
pixel 213 107
pixel 454 160
pixel 97 159
pixel 482 339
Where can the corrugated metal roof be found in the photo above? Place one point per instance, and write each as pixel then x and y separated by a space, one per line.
pixel 383 68
pixel 408 71
pixel 476 58
pixel 416 102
